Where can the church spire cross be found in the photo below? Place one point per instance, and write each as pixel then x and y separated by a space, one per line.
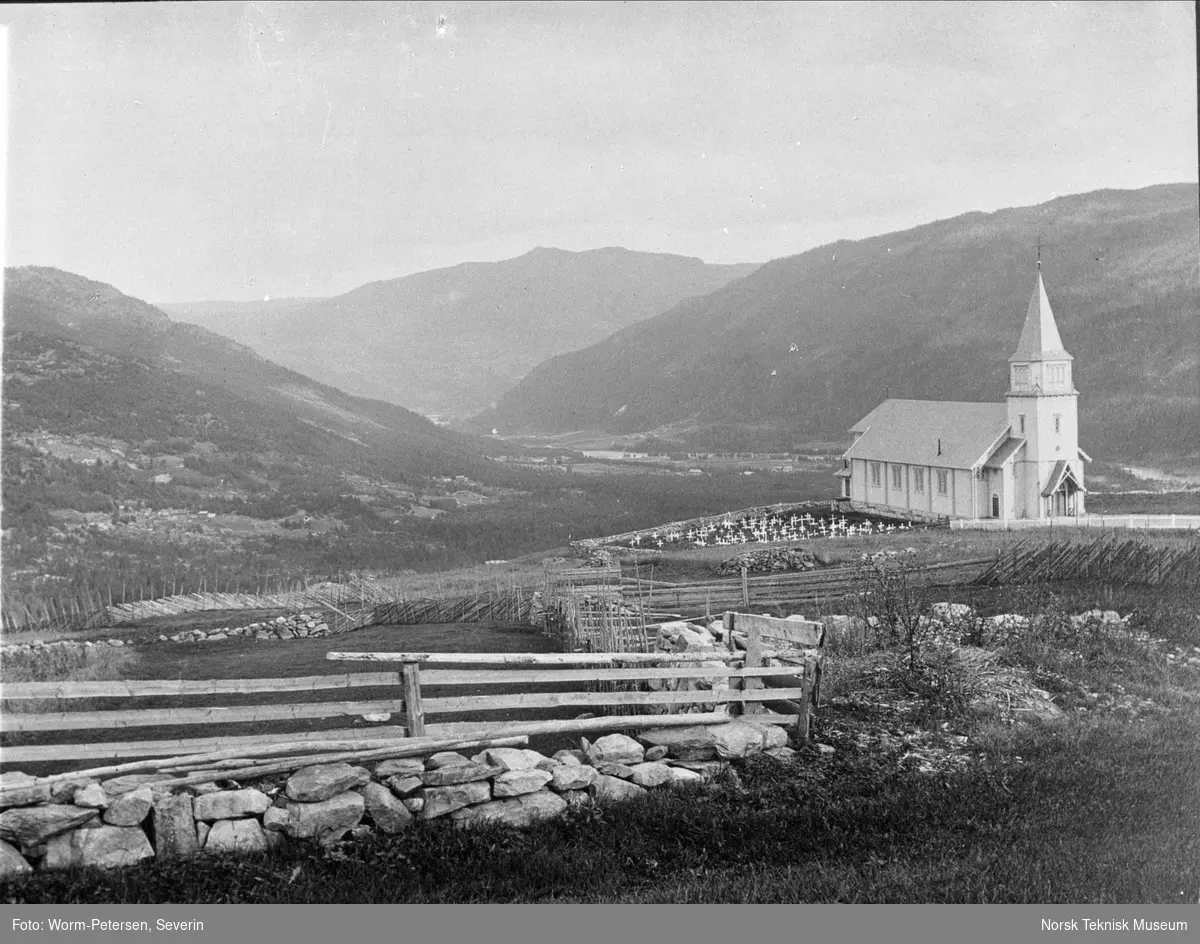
pixel 1038 246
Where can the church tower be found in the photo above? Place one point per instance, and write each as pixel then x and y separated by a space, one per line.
pixel 1043 411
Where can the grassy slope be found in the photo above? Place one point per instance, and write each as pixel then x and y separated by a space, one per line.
pixel 1099 808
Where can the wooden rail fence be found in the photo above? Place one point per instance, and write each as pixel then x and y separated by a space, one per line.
pixel 402 693
pixel 1129 561
pixel 598 609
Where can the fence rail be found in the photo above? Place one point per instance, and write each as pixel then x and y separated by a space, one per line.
pixel 1131 561
pixel 617 681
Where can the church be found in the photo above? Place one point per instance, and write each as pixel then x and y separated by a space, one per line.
pixel 1017 459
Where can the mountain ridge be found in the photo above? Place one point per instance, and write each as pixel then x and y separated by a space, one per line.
pixel 450 340
pixel 810 343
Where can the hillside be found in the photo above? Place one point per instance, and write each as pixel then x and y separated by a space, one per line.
pixel 450 341
pixel 138 452
pixel 131 441
pixel 146 386
pixel 808 344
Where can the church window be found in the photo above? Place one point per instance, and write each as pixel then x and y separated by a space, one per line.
pixel 1057 422
pixel 918 480
pixel 1020 375
pixel 875 473
pixel 897 477
pixel 943 482
pixel 1021 419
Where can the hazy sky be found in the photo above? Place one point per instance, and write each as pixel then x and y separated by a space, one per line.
pixel 193 151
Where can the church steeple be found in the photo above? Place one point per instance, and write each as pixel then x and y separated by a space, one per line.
pixel 1043 410
pixel 1040 340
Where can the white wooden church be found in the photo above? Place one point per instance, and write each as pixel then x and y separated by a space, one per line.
pixel 1017 459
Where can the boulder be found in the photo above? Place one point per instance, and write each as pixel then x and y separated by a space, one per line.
pixel 63 791
pixel 693 641
pixel 781 753
pixel 236 835
pixel 656 753
pixel 442 800
pixel 31 825
pixel 466 772
pixel 326 820
pixel 682 777
pixel 511 758
pixel 736 739
pixel 951 612
pixel 650 774
pixel 615 749
pixel 576 798
pixel 414 804
pixel 231 804
pixel 518 782
pixel 108 847
pixel 323 781
pixel 93 797
pixel 445 759
pixel 613 788
pixel 707 769
pixel 623 771
pixel 130 809
pixel 405 786
pixel 12 863
pixel 386 811
pixel 691 743
pixel 400 767
pixel 175 827
pixel 276 819
pixel 569 757
pixel 568 777
pixel 518 812
pixel 125 784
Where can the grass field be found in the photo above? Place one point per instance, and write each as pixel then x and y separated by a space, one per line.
pixel 920 800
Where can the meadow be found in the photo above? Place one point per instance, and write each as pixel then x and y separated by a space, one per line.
pixel 913 788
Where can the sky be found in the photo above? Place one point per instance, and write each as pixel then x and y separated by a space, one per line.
pixel 190 151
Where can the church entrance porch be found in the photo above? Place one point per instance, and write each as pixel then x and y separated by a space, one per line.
pixel 1063 494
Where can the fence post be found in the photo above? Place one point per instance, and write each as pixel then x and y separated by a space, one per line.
pixel 746 588
pixel 414 713
pixel 754 660
pixel 802 720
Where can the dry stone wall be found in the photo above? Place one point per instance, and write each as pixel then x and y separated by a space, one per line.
pixel 125 820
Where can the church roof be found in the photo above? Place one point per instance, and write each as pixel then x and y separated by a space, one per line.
pixel 1003 453
pixel 1039 337
pixel 910 431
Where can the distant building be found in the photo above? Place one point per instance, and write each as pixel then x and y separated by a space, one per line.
pixel 1017 459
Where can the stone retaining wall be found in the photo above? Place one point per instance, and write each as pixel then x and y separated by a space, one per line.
pixel 124 820
pixel 297 626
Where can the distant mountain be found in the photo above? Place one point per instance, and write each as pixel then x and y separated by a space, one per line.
pixel 136 375
pixel 451 341
pixel 807 345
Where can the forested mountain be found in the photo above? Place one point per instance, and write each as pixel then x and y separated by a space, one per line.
pixel 808 344
pixel 139 453
pixel 450 341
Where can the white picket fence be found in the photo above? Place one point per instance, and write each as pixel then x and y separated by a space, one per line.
pixel 1124 522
